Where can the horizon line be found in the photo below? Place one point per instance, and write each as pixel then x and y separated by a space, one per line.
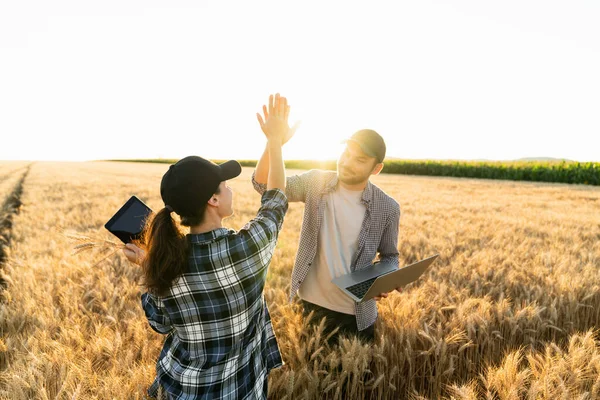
pixel 167 159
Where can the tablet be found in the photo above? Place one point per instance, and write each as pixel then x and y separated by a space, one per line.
pixel 128 223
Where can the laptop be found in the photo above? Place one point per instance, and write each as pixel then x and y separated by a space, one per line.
pixel 128 222
pixel 380 278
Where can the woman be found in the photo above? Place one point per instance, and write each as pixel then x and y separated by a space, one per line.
pixel 205 289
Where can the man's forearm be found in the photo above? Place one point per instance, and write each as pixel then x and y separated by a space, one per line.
pixel 276 178
pixel 262 167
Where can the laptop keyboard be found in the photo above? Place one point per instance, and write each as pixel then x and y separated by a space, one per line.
pixel 360 289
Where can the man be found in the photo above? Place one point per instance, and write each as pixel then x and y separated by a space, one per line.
pixel 347 221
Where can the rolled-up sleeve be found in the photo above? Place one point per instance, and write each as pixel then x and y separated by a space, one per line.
pixel 159 322
pixel 296 186
pixel 259 187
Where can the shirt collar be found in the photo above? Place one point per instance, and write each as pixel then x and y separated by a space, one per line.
pixel 200 238
pixel 367 194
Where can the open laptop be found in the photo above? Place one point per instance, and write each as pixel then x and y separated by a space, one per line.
pixel 380 278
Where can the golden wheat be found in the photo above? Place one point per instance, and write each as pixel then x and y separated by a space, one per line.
pixel 507 311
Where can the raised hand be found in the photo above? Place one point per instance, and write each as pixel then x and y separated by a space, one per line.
pixel 268 110
pixel 275 126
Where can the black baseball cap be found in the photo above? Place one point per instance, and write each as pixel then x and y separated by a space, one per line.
pixel 370 142
pixel 191 181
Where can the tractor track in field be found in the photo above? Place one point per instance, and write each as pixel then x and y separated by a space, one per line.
pixel 10 207
pixel 10 173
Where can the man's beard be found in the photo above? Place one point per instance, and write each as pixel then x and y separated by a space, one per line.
pixel 351 179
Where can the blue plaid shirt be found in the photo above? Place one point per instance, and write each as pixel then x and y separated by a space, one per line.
pixel 219 338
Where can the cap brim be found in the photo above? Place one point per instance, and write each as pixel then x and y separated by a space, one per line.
pixel 230 169
pixel 364 148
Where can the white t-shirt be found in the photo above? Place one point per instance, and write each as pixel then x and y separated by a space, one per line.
pixel 338 241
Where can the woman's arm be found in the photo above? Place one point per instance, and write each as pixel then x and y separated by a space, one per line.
pixel 157 319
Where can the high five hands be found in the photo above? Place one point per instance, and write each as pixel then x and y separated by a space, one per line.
pixel 279 111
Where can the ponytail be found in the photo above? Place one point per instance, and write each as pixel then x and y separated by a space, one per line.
pixel 167 252
pixel 167 248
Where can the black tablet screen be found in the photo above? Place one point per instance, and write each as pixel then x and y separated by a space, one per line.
pixel 127 224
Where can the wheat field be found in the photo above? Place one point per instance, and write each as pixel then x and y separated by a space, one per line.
pixel 510 309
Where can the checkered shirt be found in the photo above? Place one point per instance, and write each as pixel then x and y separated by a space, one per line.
pixel 378 233
pixel 219 338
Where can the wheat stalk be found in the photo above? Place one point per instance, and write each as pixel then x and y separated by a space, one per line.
pixel 87 243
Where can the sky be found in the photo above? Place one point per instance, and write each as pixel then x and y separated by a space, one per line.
pixel 464 79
